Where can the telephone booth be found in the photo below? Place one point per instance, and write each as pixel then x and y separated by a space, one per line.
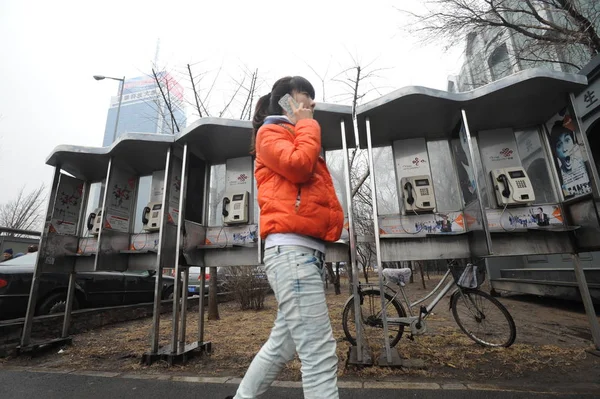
pixel 221 221
pixel 536 175
pixel 91 217
pixel 460 188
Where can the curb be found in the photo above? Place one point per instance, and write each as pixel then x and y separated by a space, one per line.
pixel 581 388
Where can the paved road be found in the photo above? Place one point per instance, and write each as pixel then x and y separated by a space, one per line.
pixel 24 384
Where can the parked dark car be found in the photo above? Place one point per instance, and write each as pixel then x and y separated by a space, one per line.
pixel 93 289
pixel 225 279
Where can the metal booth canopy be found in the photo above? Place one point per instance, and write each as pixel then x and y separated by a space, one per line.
pixel 521 100
pixel 217 139
pixel 143 153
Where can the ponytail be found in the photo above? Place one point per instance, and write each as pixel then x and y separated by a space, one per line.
pixel 260 113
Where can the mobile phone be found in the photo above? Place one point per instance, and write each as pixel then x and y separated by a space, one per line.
pixel 284 103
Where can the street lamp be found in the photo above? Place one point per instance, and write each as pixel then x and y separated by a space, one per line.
pixel 100 77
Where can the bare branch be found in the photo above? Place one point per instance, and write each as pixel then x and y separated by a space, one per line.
pixel 24 212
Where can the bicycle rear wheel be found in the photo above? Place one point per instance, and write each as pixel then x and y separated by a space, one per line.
pixel 483 318
pixel 371 317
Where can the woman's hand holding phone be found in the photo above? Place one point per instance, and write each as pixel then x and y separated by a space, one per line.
pixel 293 110
pixel 299 111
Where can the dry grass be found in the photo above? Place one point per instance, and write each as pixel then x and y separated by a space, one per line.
pixel 238 336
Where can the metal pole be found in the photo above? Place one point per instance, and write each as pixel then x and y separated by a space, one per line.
pixel 35 282
pixel 205 220
pixel 104 204
pixel 159 259
pixel 587 300
pixel 386 338
pixel 184 303
pixel 254 206
pixel 484 220
pixel 201 310
pixel 122 86
pixel 355 271
pixel 178 246
pixel 68 305
pixel 73 275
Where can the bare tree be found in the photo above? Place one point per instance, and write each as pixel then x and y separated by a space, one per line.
pixel 357 81
pixel 539 32
pixel 25 211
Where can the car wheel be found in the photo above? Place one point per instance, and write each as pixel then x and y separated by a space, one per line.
pixel 169 294
pixel 56 303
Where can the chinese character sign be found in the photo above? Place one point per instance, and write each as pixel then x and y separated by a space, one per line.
pixel 590 99
pixel 574 178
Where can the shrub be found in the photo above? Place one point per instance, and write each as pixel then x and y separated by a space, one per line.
pixel 248 285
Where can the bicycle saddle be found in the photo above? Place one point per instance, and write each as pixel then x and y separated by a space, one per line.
pixel 398 276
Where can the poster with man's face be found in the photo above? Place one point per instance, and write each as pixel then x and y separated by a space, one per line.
pixel 574 179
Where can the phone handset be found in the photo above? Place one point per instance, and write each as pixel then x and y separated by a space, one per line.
pixel 145 215
pixel 410 199
pixel 90 221
pixel 504 180
pixel 284 102
pixel 226 202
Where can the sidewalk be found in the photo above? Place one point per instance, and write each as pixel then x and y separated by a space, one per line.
pixel 19 382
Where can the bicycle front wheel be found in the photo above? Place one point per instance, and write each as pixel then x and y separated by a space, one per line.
pixel 370 308
pixel 483 318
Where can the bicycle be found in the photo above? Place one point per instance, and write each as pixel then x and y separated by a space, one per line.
pixel 492 324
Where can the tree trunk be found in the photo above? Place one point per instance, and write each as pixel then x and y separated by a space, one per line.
pixel 213 304
pixel 428 264
pixel 422 274
pixel 350 272
pixel 412 274
pixel 336 282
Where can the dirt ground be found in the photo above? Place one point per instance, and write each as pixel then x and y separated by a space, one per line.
pixel 552 338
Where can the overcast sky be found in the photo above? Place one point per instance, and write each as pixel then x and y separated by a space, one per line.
pixel 50 50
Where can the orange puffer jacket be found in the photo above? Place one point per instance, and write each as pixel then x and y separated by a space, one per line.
pixel 295 190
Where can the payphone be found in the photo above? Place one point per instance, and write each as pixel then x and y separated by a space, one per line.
pixel 151 216
pixel 235 208
pixel 94 222
pixel 418 195
pixel 512 186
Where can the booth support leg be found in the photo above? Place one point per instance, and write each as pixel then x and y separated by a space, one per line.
pixel 69 305
pixel 587 303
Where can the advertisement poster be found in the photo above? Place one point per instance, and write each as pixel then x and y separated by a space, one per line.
pixel 573 175
pixel 67 207
pixel 88 246
pixel 119 201
pixel 523 218
pixel 473 217
pixel 421 225
pixel 464 164
pixel 232 235
pixel 145 242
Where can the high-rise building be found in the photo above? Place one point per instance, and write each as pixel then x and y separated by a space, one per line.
pixel 494 52
pixel 143 108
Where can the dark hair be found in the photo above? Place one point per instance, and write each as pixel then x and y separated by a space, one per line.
pixel 558 130
pixel 269 103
